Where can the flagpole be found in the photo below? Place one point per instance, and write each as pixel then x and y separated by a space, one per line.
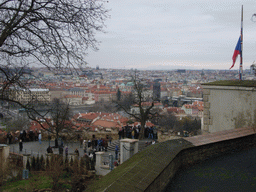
pixel 241 54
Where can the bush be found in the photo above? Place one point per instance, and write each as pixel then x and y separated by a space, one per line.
pixel 42 163
pixel 82 166
pixel 33 164
pixel 71 161
pixel 38 166
pixel 47 163
pixel 28 167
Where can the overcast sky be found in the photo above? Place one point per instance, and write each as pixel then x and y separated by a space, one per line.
pixel 175 34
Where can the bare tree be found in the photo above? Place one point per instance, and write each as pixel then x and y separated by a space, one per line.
pixel 59 113
pixel 142 101
pixel 55 170
pixel 17 124
pixel 166 121
pixel 52 33
pixel 106 107
pixel 126 100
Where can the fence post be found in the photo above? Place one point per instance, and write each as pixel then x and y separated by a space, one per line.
pixel 111 162
pixel 98 162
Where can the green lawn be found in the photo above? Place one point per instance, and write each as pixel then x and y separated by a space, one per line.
pixel 36 181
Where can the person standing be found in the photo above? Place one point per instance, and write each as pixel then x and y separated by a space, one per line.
pixel 61 149
pixel 89 144
pixel 8 139
pixel 77 154
pixel 120 133
pixel 99 144
pixel 116 151
pixel 40 137
pixel 85 146
pixel 20 145
pixel 110 140
pixel 133 133
pixel 66 151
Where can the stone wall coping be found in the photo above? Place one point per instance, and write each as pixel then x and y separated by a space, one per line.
pixel 220 136
pixel 99 153
pixel 104 167
pixel 229 87
pixel 129 140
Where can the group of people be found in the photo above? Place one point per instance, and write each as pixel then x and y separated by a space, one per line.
pixel 30 135
pixel 100 144
pixel 129 132
pixel 134 131
pixel 150 133
pixel 25 135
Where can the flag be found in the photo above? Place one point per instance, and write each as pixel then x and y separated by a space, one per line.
pixel 237 51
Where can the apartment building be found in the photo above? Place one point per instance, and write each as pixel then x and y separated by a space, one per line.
pixel 32 95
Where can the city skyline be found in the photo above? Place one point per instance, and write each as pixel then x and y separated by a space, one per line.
pixel 174 35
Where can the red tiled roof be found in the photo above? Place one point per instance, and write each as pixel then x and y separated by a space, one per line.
pixel 149 104
pixel 176 110
pixel 148 124
pixel 199 105
pixel 89 116
pixel 72 96
pixel 106 124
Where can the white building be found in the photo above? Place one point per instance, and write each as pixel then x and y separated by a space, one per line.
pixel 32 95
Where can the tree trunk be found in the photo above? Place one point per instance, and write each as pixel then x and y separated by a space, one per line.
pixel 142 130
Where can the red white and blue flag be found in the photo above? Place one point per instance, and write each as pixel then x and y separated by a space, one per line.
pixel 237 51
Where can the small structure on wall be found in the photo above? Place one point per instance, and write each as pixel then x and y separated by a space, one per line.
pixel 128 147
pixel 4 153
pixel 229 105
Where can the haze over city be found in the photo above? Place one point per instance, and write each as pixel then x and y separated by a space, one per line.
pixel 169 35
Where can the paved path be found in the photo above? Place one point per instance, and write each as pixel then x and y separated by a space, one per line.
pixel 35 148
pixel 230 172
